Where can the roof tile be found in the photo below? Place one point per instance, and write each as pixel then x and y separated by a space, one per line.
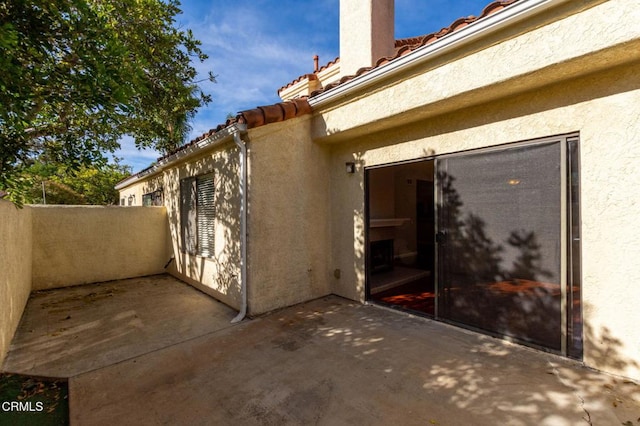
pixel 312 76
pixel 408 45
pixel 289 109
pixel 255 117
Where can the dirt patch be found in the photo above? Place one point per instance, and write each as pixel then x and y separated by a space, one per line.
pixel 86 298
pixel 28 400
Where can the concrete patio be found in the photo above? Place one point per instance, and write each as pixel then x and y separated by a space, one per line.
pixel 155 351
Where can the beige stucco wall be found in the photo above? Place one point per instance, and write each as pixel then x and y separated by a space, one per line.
pixel 605 109
pixel 15 269
pixel 288 218
pixel 574 68
pixel 366 33
pixel 146 186
pixel 86 244
pixel 573 39
pixel 218 275
pixel 289 208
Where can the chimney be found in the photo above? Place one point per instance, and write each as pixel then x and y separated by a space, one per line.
pixel 366 33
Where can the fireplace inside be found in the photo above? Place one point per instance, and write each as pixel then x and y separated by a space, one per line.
pixel 381 253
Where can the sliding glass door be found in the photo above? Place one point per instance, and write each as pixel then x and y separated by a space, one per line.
pixel 500 241
pixel 487 239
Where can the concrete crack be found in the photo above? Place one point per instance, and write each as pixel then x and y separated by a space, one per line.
pixel 587 416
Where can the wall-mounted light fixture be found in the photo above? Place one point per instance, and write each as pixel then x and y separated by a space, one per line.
pixel 131 200
pixel 350 166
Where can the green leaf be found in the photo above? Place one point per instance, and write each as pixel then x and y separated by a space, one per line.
pixel 77 75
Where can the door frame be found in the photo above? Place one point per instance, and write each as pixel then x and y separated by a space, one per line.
pixel 570 250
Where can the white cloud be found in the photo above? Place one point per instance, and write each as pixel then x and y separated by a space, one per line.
pixel 253 52
pixel 257 46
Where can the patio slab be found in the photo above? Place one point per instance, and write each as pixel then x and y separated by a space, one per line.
pixel 68 331
pixel 334 362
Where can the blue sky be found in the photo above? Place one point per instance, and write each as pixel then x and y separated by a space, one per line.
pixel 258 46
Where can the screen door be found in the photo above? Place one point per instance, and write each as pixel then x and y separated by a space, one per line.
pixel 499 241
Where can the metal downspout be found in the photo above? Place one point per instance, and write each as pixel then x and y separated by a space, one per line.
pixel 243 226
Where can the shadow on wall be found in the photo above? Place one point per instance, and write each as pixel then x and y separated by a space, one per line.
pixel 359 220
pixel 359 227
pixel 438 373
pixel 219 273
pixel 498 285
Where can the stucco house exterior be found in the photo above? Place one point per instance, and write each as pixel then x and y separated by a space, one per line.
pixel 483 175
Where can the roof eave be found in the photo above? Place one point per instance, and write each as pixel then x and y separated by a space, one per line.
pixel 215 139
pixel 515 13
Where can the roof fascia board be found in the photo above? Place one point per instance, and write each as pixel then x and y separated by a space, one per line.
pixel 492 23
pixel 218 138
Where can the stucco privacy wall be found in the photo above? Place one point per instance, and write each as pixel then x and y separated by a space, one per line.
pixel 15 269
pixel 289 208
pixel 605 109
pixel 87 244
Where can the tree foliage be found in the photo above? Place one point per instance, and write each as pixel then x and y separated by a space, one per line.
pixel 77 75
pixel 58 184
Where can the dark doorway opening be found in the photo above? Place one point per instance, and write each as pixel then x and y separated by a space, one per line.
pixel 401 236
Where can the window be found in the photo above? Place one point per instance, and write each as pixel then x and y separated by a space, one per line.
pixel 197 215
pixel 152 198
pixel 122 202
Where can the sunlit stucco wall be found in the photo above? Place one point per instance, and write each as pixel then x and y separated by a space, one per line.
pixel 289 207
pixel 589 83
pixel 132 195
pixel 288 218
pixel 15 269
pixel 218 274
pixel 86 244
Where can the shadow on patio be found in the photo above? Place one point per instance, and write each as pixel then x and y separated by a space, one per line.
pixel 170 356
pixel 69 331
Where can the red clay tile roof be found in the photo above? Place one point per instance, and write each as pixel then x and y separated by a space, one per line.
pixel 408 45
pixel 298 107
pixel 256 117
pixel 312 76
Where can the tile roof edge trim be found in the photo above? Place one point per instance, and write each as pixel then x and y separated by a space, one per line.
pixel 494 22
pixel 214 139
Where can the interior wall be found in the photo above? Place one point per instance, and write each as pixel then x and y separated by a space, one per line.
pixel 406 185
pixel 382 194
pixel 392 194
pixel 15 273
pixel 610 238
